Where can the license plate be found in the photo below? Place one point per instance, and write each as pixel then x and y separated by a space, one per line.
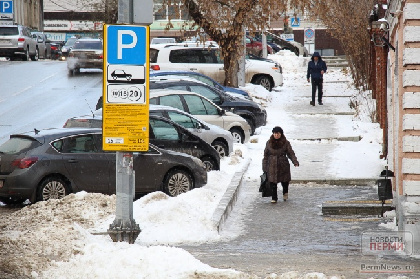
pixel 4 41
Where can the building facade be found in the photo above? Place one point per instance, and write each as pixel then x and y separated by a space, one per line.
pixel 396 61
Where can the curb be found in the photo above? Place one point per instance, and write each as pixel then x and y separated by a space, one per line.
pixel 349 181
pixel 356 207
pixel 228 200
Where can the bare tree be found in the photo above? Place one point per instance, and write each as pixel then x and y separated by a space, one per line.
pixel 224 21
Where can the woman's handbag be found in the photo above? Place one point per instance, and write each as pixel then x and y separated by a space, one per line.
pixel 265 188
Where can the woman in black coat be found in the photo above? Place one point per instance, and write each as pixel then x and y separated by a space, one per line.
pixel 277 153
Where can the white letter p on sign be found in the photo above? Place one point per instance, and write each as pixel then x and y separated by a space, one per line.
pixel 120 43
pixel 6 5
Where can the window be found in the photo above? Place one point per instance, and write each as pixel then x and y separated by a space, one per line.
pixel 176 11
pixel 7 31
pixel 77 144
pixel 162 130
pixel 206 92
pixel 195 105
pixel 17 145
pixel 153 55
pixel 182 119
pixel 88 45
pixel 184 56
pixel 153 101
pixel 172 101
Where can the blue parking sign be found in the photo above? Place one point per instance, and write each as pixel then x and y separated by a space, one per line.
pixel 6 7
pixel 126 44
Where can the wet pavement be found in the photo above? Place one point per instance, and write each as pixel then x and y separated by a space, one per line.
pixel 295 236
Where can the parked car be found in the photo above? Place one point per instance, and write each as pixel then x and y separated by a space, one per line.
pixel 200 77
pixel 67 47
pixel 255 115
pixel 86 53
pixel 42 44
pixel 207 61
pixel 165 134
pixel 255 47
pixel 220 139
pixel 55 51
pixel 203 109
pixel 50 164
pixel 16 42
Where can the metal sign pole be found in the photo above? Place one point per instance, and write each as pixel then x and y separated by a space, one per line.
pixel 124 227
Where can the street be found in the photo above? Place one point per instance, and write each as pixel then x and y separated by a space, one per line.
pixel 40 95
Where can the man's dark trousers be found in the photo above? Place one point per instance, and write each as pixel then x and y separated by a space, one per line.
pixel 317 83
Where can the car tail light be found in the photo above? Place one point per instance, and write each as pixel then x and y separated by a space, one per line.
pixel 53 48
pixel 21 39
pixel 155 67
pixel 25 162
pixel 101 56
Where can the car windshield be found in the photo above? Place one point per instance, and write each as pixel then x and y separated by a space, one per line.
pixel 87 45
pixel 70 42
pixel 9 31
pixel 18 145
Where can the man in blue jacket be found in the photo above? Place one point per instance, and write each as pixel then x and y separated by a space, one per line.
pixel 316 70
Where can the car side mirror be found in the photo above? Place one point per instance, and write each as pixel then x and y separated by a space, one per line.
pixel 222 112
pixel 197 126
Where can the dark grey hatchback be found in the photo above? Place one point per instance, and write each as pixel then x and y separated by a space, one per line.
pixel 50 164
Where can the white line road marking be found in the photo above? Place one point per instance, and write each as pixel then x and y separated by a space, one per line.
pixel 21 91
pixel 42 80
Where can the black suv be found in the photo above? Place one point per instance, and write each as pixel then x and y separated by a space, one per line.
pixel 249 110
pixel 165 134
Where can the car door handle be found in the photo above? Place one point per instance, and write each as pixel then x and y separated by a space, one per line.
pixel 72 161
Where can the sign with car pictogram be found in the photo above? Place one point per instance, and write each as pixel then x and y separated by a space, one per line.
pixel 126 89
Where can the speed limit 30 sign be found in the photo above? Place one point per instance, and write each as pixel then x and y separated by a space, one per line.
pixel 125 94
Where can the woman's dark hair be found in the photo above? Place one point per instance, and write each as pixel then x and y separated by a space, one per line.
pixel 277 129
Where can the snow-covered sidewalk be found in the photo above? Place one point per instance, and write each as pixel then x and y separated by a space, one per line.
pixel 54 239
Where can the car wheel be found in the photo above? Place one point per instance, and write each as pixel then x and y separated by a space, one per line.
pixel 36 56
pixel 114 77
pixel 264 81
pixel 177 182
pixel 26 56
pixel 70 72
pixel 221 148
pixel 52 188
pixel 210 163
pixel 238 135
